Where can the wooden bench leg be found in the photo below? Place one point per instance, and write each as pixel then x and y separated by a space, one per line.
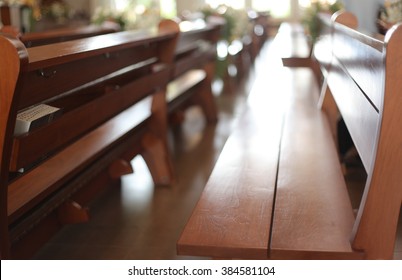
pixel 119 168
pixel 177 117
pixel 72 213
pixel 205 97
pixel 157 159
pixel 207 103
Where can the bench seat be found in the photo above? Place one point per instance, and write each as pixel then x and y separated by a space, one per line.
pixel 289 164
pixel 232 217
pixel 277 190
pixel 182 86
pixel 313 213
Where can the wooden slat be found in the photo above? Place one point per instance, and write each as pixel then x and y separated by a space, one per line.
pixel 358 113
pixel 42 84
pixel 46 56
pixel 64 34
pixel 313 215
pixel 184 83
pixel 232 217
pixel 362 56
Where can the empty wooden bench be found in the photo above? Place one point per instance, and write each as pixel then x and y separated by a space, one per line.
pixel 278 191
pixel 34 39
pixel 193 72
pixel 111 93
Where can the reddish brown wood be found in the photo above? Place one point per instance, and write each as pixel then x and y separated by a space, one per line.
pixel 376 224
pixel 119 168
pixel 14 56
pixel 70 212
pixel 69 126
pixel 109 110
pixel 34 39
pixel 312 217
pixel 232 217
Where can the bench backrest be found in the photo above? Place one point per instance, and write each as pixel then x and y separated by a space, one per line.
pixel 91 79
pixel 34 39
pixel 54 70
pixel 196 46
pixel 365 81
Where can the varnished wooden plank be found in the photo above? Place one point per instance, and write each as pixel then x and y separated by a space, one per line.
pixel 360 116
pixel 361 55
pixel 183 83
pixel 45 83
pixel 313 214
pixel 65 34
pixel 376 224
pixel 46 56
pixel 232 217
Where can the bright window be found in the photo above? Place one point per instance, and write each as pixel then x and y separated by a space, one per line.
pixel 236 4
pixel 307 3
pixel 277 8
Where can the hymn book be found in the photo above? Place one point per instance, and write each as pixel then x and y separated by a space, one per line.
pixel 33 117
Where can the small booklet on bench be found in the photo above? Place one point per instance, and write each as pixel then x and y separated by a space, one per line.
pixel 34 117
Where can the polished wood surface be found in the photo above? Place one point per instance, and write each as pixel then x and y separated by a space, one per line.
pixel 7 87
pixel 34 39
pixel 376 223
pixel 136 221
pixel 312 217
pixel 232 217
pixel 368 71
pixel 110 113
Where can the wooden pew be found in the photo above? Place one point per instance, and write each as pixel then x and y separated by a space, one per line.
pixel 34 39
pixel 278 191
pixel 194 70
pixel 111 91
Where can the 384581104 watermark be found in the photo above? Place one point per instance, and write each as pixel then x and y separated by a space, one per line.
pixel 186 271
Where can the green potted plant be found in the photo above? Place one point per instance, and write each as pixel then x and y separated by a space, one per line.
pixel 310 19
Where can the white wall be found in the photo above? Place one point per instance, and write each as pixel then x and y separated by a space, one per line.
pixel 186 5
pixel 366 12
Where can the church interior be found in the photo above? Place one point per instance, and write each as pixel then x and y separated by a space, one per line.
pixel 246 148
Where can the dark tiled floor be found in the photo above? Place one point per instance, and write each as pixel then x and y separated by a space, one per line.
pixel 140 221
